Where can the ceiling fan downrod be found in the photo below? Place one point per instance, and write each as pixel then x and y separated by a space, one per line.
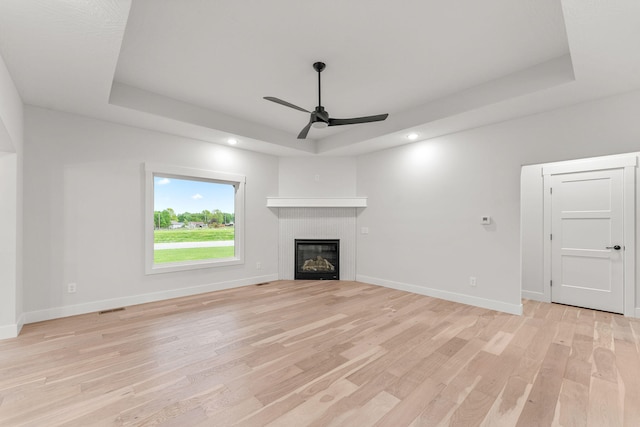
pixel 319 67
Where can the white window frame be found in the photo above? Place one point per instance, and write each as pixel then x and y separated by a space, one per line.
pixel 238 181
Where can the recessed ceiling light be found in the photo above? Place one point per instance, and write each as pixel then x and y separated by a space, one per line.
pixel 412 136
pixel 232 141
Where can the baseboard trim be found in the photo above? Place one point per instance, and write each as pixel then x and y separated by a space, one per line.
pixel 8 331
pixel 445 295
pixel 20 324
pixel 91 307
pixel 535 296
pixel 637 313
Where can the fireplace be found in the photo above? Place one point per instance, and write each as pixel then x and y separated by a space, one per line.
pixel 317 259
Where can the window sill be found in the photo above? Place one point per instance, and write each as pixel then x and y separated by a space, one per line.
pixel 192 265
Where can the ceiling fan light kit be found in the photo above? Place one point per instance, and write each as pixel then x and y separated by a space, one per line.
pixel 319 118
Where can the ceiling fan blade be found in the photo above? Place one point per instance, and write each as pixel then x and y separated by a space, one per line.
pixel 285 103
pixel 303 133
pixel 356 120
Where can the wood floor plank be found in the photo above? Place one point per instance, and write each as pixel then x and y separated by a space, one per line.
pixel 628 364
pixel 473 410
pixel 573 404
pixel 315 405
pixel 541 402
pixel 323 353
pixel 370 412
pixel 508 406
pixel 411 406
pixel 350 406
pixel 604 404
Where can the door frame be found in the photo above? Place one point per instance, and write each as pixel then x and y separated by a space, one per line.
pixel 629 164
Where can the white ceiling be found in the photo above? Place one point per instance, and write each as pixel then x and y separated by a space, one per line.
pixel 199 68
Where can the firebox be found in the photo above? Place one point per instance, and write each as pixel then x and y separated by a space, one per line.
pixel 317 259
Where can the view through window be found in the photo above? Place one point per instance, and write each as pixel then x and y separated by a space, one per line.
pixel 194 218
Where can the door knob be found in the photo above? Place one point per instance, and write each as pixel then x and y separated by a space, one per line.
pixel 616 247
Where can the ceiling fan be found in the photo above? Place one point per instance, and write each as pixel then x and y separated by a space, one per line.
pixel 320 117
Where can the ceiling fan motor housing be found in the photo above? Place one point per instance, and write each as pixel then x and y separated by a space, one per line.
pixel 319 118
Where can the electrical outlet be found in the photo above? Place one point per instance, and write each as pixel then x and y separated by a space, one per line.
pixel 364 230
pixel 472 281
pixel 71 288
pixel 258 265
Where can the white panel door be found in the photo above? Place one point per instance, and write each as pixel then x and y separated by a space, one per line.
pixel 587 268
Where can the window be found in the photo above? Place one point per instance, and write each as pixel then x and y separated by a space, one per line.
pixel 193 219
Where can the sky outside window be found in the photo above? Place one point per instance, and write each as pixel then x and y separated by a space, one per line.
pixel 183 195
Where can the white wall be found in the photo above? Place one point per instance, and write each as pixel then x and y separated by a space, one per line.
pixel 425 200
pixel 11 113
pixel 84 206
pixel 8 245
pixel 11 131
pixel 317 177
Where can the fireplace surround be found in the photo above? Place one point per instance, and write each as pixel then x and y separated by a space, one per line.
pixel 317 259
pixel 317 223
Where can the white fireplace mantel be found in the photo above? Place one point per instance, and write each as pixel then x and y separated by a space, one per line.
pixel 316 202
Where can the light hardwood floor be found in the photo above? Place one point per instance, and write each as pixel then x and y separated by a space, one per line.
pixel 323 354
